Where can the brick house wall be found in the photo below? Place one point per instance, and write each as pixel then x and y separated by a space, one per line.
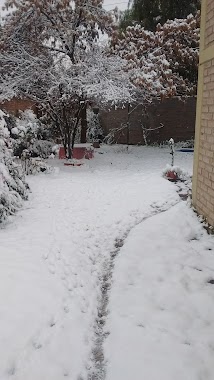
pixel 15 105
pixel 203 174
pixel 177 117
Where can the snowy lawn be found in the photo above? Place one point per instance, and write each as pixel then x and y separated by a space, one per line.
pixel 161 307
pixel 53 257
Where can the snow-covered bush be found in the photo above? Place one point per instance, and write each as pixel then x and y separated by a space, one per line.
pixel 13 188
pixel 55 150
pixel 26 123
pixel 30 134
pixel 41 148
pixel 34 165
pixel 185 144
pixel 94 129
pixel 179 173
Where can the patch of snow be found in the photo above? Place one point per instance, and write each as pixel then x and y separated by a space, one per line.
pixel 15 131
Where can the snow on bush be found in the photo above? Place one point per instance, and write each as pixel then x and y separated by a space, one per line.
pixel 94 129
pixel 181 174
pixel 55 149
pixel 13 188
pixel 34 165
pixel 27 122
pixel 30 134
pixel 41 148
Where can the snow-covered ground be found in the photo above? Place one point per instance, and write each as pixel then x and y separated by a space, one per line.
pixel 161 305
pixel 55 256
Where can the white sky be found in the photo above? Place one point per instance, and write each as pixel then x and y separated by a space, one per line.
pixel 108 4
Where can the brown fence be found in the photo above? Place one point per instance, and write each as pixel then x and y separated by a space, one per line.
pixel 177 117
pixel 13 106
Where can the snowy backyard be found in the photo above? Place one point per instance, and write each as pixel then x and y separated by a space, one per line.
pixel 107 273
pixel 106 270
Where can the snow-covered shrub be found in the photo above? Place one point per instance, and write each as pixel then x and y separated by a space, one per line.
pixel 13 188
pixel 55 149
pixel 41 148
pixel 94 129
pixel 179 173
pixel 29 133
pixel 34 165
pixel 26 123
pixel 185 144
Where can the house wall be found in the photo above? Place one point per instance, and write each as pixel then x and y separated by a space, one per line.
pixel 203 173
pixel 177 117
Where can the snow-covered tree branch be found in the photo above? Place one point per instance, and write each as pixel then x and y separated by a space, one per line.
pixel 162 63
pixel 62 67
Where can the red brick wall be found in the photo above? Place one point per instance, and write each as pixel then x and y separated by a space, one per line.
pixel 178 118
pixel 13 106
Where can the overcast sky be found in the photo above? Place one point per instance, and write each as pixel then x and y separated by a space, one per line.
pixel 108 4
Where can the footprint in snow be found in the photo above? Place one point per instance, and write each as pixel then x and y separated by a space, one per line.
pixel 58 255
pixel 12 370
pixel 52 322
pixel 37 345
pixel 211 281
pixel 66 309
pixel 70 288
pixel 52 269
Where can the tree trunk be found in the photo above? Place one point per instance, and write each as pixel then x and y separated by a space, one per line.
pixel 76 126
pixel 128 126
pixel 83 117
pixel 70 150
pixel 65 147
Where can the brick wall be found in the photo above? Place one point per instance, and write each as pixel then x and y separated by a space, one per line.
pixel 203 177
pixel 13 106
pixel 209 28
pixel 177 117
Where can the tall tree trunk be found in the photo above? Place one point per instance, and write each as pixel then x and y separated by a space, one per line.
pixel 65 147
pixel 83 125
pixel 69 145
pixel 78 116
pixel 128 125
pixel 73 136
